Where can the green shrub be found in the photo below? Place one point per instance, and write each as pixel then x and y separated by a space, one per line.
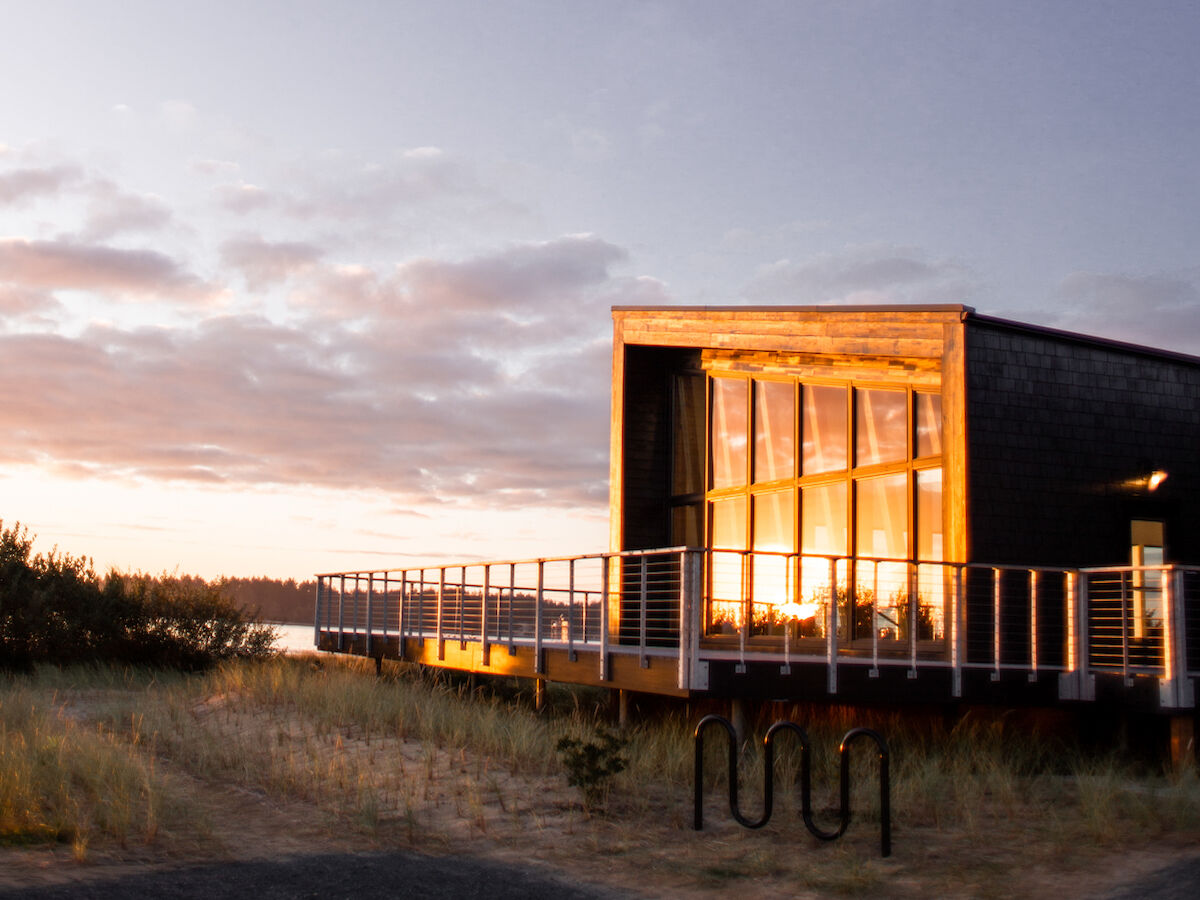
pixel 54 609
pixel 590 765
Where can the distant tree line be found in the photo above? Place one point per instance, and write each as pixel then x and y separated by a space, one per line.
pixel 55 609
pixel 272 600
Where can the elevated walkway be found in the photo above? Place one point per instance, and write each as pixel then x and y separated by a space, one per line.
pixel 897 630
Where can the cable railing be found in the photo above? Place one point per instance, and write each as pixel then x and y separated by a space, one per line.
pixel 750 608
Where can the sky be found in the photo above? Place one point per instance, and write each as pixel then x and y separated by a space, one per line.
pixel 298 287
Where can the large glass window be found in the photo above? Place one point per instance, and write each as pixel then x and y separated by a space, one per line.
pixel 824 430
pixel 774 430
pixel 794 530
pixel 880 426
pixel 728 445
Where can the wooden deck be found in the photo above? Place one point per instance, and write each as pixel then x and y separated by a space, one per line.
pixel 634 621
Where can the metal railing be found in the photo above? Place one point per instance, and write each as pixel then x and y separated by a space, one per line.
pixel 636 602
pixel 754 607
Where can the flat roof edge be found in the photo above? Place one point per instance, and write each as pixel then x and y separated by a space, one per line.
pixel 822 308
pixel 1081 338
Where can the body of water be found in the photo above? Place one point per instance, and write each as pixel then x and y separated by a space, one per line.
pixel 294 638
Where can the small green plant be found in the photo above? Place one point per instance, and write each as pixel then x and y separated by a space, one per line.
pixel 590 765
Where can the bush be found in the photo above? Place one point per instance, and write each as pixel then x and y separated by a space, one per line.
pixel 54 609
pixel 590 765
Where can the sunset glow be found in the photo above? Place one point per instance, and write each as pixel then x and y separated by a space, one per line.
pixel 296 288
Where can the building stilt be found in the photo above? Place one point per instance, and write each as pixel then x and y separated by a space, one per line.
pixel 1183 741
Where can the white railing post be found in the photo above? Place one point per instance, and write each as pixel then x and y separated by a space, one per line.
pixel 571 656
pixel 957 633
pixel 914 602
pixel 831 641
pixel 537 621
pixel 317 613
pixel 605 563
pixel 1033 625
pixel 1175 688
pixel 996 592
pixel 401 618
pixel 512 601
pixel 342 614
pixel 1076 683
pixel 485 591
pixel 370 640
pixel 438 631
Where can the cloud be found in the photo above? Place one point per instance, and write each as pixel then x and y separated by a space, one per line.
pixel 112 212
pixel 243 198
pixel 521 279
pixel 866 274
pixel 263 264
pixel 116 273
pixel 19 185
pixel 480 381
pixel 18 302
pixel 418 189
pixel 1162 311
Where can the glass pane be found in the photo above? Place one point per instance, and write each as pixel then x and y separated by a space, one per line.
pixel 881 600
pixel 687 475
pixel 774 541
pixel 685 525
pixel 774 522
pixel 822 531
pixel 774 426
pixel 823 520
pixel 929 515
pixel 932 581
pixel 882 514
pixel 728 449
pixel 881 589
pixel 881 423
pixel 729 524
pixel 824 428
pixel 728 539
pixel 929 424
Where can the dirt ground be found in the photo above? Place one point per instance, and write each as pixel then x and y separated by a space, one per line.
pixel 498 832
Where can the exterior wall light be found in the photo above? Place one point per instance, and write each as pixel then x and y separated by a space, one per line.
pixel 1148 482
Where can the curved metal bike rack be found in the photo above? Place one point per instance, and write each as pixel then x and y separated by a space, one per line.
pixel 885 816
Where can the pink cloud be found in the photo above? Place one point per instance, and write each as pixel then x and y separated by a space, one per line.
pixel 262 263
pixel 23 184
pixel 118 273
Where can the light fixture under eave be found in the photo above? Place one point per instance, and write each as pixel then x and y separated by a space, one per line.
pixel 1157 477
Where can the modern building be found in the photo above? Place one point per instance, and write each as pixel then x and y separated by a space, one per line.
pixel 903 503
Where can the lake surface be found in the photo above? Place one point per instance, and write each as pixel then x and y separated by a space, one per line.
pixel 295 638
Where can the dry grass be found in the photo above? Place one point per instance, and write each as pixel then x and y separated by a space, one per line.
pixel 102 759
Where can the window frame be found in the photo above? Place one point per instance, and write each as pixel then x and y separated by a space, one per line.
pixel 850 476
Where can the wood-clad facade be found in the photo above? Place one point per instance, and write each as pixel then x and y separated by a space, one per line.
pixel 852 461
pixel 1044 434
